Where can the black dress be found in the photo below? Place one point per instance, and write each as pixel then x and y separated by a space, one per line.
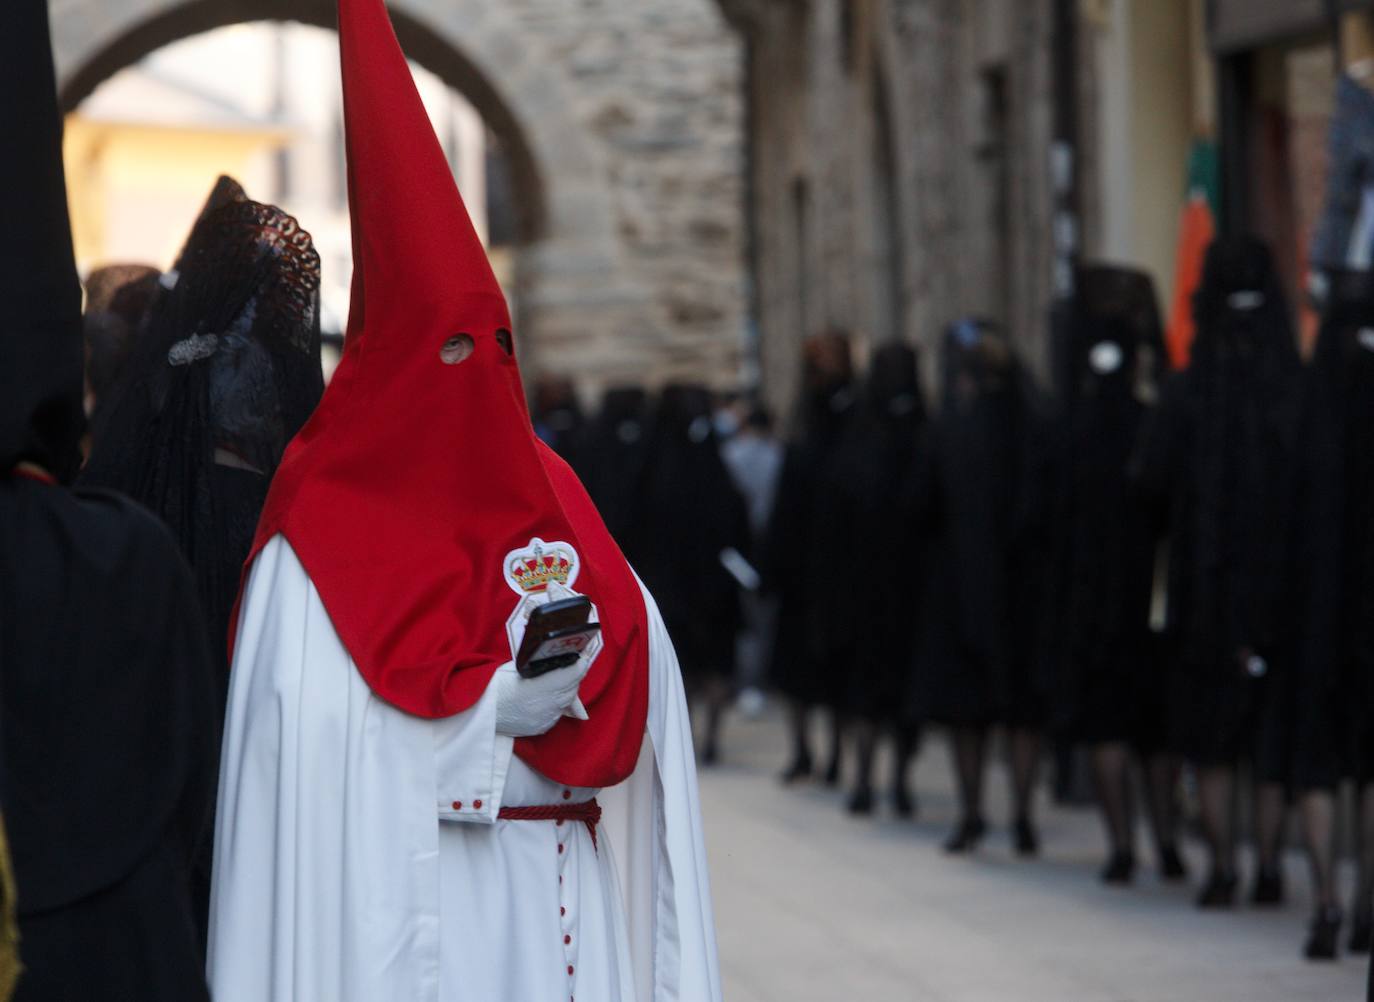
pixel 978 660
pixel 1331 694
pixel 881 464
pixel 691 514
pixel 809 562
pixel 612 464
pixel 1216 464
pixel 1111 683
pixel 110 738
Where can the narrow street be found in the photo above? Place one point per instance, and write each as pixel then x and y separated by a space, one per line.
pixel 813 906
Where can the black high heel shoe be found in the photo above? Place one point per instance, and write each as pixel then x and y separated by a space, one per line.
pixel 799 769
pixel 1361 932
pixel 966 837
pixel 1219 891
pixel 861 801
pixel 832 772
pixel 1171 865
pixel 1325 931
pixel 1268 889
pixel 1120 868
pixel 1024 837
pixel 903 803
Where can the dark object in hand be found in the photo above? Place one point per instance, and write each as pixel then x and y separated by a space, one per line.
pixel 556 635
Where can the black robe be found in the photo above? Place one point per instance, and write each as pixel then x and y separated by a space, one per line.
pixel 612 463
pixel 691 513
pixel 1216 465
pixel 809 564
pixel 881 465
pixel 107 697
pixel 1111 684
pixel 980 656
pixel 106 691
pixel 41 350
pixel 1331 694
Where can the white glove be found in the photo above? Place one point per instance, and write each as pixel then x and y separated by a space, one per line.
pixel 530 706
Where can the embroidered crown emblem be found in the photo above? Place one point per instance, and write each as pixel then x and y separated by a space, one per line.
pixel 533 569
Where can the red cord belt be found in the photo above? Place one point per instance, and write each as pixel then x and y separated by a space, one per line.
pixel 589 813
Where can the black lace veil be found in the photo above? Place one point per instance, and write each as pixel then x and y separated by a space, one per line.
pixel 226 373
pixel 1244 381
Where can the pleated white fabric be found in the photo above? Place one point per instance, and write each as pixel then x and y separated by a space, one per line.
pixel 358 856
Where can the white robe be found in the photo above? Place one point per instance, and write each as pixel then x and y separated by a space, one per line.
pixel 358 856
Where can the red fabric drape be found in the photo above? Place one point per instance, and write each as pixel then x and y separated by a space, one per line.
pixel 417 476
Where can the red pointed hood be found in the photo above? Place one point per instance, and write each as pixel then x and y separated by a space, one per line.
pixel 413 242
pixel 419 480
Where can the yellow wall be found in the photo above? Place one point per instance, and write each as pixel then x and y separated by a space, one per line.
pixel 1155 97
pixel 135 189
pixel 1163 112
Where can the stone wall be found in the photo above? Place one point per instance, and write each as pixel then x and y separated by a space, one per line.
pixel 955 223
pixel 657 86
pixel 626 126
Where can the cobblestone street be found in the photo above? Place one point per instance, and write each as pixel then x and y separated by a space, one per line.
pixel 812 905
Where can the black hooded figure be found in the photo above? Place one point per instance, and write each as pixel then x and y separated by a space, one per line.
pixel 807 558
pixel 691 515
pixel 613 460
pixel 881 466
pixel 1216 463
pixel 1331 689
pixel 978 662
pixel 1112 696
pixel 106 684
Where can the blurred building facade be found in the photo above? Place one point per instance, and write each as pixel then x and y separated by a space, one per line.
pixel 690 187
pixel 900 159
pixel 622 124
pixel 1250 82
pixel 915 161
pixel 261 102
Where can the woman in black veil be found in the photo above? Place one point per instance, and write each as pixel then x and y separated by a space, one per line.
pixel 691 515
pixel 613 462
pixel 881 467
pixel 808 563
pixel 979 661
pixel 1332 689
pixel 1216 462
pixel 225 375
pixel 1112 696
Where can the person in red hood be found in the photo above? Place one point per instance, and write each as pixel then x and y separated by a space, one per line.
pixel 401 814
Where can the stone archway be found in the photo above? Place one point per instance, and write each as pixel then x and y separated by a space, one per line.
pixel 625 128
pixel 579 291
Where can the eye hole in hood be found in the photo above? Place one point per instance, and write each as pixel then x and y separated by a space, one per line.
pixel 456 349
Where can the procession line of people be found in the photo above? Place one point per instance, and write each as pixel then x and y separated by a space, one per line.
pixel 1159 567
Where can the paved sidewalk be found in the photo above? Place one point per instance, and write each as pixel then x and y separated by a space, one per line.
pixel 813 906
